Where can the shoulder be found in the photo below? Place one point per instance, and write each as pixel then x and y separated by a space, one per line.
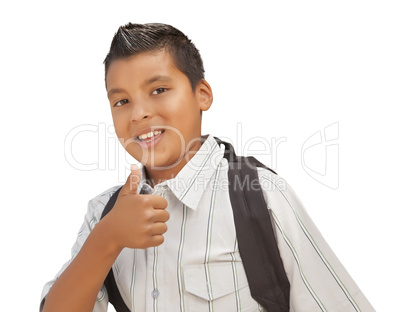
pixel 97 204
pixel 271 181
pixel 106 194
pixel 277 192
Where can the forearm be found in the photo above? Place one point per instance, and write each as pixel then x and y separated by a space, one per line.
pixel 77 288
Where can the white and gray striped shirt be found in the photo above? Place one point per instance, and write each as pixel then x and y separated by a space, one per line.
pixel 198 267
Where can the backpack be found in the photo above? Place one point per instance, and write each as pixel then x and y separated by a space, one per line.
pixel 259 252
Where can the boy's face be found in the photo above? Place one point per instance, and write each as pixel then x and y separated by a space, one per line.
pixel 150 96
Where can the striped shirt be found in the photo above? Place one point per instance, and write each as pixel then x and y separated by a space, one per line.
pixel 198 267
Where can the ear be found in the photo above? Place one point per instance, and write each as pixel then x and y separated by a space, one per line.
pixel 204 95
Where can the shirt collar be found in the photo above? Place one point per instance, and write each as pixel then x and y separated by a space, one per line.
pixel 192 180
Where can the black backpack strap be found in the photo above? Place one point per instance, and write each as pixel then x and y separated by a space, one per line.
pixel 231 157
pixel 111 202
pixel 113 292
pixel 267 279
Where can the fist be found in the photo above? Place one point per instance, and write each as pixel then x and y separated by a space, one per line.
pixel 136 220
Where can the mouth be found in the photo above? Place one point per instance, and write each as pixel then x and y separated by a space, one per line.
pixel 151 137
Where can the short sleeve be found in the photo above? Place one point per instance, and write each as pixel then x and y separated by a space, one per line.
pixel 94 212
pixel 318 280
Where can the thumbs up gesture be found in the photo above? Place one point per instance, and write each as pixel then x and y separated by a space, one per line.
pixel 136 220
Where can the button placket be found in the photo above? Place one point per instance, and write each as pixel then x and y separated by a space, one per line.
pixel 155 293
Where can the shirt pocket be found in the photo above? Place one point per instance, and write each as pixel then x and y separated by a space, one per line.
pixel 221 286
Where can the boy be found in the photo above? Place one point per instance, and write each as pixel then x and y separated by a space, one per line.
pixel 170 238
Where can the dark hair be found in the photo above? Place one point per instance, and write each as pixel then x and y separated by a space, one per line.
pixel 132 39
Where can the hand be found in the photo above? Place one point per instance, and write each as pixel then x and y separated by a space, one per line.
pixel 136 220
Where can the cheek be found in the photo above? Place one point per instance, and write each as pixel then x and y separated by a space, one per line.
pixel 182 108
pixel 117 127
pixel 120 123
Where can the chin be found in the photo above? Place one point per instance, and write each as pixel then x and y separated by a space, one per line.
pixel 162 163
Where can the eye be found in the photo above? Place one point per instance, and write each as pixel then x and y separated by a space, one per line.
pixel 120 103
pixel 159 91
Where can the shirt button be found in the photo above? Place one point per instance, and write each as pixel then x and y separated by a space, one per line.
pixel 155 293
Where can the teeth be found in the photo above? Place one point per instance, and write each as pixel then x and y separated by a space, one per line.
pixel 149 135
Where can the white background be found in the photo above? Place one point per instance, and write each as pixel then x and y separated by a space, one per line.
pixel 282 69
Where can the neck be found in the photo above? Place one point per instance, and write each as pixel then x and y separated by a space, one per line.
pixel 155 176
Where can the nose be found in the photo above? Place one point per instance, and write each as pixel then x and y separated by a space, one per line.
pixel 140 111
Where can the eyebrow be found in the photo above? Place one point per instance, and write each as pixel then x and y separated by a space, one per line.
pixel 145 83
pixel 157 78
pixel 113 91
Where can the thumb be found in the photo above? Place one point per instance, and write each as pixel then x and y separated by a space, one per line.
pixel 133 181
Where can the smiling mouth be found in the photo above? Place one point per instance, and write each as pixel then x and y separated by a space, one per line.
pixel 150 136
